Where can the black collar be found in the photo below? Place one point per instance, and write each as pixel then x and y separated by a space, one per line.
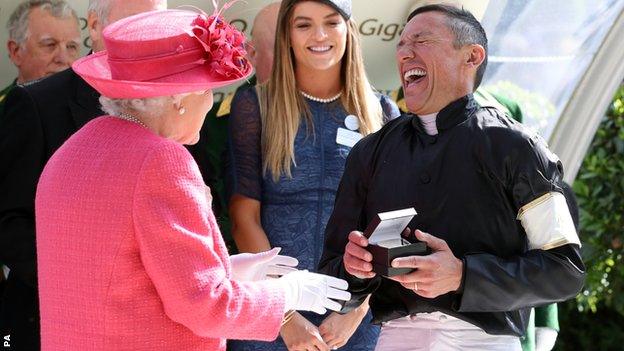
pixel 453 114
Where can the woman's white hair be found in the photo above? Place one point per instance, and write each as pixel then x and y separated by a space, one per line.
pixel 152 107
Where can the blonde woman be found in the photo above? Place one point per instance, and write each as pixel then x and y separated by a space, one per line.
pixel 289 141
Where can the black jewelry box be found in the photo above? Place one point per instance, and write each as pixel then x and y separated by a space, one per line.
pixel 385 242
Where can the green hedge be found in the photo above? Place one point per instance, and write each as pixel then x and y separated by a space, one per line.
pixel 595 321
pixel 600 191
pixel 600 330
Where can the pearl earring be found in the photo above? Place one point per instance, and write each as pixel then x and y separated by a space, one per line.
pixel 181 110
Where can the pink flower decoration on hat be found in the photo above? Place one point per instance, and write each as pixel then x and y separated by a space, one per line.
pixel 222 43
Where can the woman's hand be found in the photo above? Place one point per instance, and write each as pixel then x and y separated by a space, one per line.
pixel 301 335
pixel 338 328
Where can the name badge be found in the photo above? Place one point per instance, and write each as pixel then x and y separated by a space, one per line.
pixel 352 122
pixel 347 137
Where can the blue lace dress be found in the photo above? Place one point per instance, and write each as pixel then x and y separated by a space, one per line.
pixel 295 210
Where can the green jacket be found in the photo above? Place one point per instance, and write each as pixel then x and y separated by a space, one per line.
pixel 3 95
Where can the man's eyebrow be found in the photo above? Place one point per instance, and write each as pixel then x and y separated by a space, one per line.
pixel 415 36
pixel 45 38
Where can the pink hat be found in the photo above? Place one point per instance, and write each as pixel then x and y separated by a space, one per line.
pixel 166 52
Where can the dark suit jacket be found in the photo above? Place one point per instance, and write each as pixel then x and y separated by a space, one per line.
pixel 37 120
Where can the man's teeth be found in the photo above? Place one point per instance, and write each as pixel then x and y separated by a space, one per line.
pixel 414 74
pixel 320 48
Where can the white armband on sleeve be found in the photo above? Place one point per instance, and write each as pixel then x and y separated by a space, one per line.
pixel 548 223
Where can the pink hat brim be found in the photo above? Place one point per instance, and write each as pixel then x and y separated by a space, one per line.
pixel 94 69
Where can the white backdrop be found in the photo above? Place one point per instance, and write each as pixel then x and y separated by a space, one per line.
pixel 380 23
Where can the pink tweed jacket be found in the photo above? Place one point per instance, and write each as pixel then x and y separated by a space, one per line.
pixel 129 253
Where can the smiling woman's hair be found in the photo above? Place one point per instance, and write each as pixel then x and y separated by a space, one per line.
pixel 282 107
pixel 466 29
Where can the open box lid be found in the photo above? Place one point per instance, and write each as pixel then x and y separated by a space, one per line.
pixel 388 226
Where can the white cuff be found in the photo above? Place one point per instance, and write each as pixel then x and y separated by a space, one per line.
pixel 291 294
pixel 548 223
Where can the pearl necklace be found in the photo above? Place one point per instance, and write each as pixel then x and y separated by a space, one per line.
pixel 131 118
pixel 322 101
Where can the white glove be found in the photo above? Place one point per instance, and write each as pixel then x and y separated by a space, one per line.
pixel 545 338
pixel 314 292
pixel 252 267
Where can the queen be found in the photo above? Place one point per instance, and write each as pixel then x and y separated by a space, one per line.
pixel 129 253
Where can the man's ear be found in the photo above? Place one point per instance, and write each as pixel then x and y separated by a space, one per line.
pixel 93 25
pixel 15 52
pixel 475 54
